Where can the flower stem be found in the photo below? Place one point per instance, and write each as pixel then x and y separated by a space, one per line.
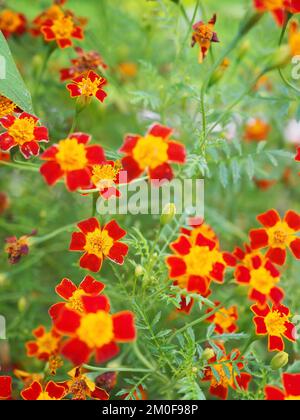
pixel 39 240
pixel 115 369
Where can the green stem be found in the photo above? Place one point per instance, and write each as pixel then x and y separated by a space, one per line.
pixel 51 49
pixel 96 190
pixel 141 357
pixel 115 369
pixel 20 167
pixel 39 240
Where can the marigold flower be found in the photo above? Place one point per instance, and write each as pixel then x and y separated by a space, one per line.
pixel 98 243
pixel 62 30
pixel 16 248
pixel 127 69
pixel 294 38
pixel 94 331
pixel 291 388
pixel 106 178
pixel 276 7
pixel 23 131
pixel 264 184
pixel 84 62
pixel 46 344
pixel 72 159
pixel 88 85
pixel 224 319
pixel 35 391
pixel 274 323
pixel 81 387
pixel 257 130
pixel 12 23
pixel 72 294
pixel 198 226
pixel 219 386
pixel 5 388
pixel 277 235
pixel 204 35
pixel 261 277
pixel 7 107
pixel 152 154
pixel 52 13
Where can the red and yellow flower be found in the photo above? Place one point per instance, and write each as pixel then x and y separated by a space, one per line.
pixel 46 344
pixel 62 30
pixel 23 131
pixel 106 177
pixel 262 278
pixel 228 377
pixel 72 159
pixel 5 388
pixel 68 291
pixel 152 153
pixel 94 331
pixel 198 226
pixel 54 12
pixel 87 86
pixel 277 235
pixel 276 7
pixel 36 392
pixel 7 107
pixel 292 6
pixel 291 388
pixel 204 35
pixel 98 243
pixel 224 319
pixel 12 23
pixel 275 323
pixel 81 387
pixel 84 62
pixel 257 130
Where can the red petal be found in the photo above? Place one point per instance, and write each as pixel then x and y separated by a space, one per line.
pixel 260 325
pixel 242 275
pixel 74 90
pixel 101 95
pixel 68 321
pixel 114 230
pixel 124 327
pixel 177 267
pixel 161 173
pixel 78 33
pixel 275 343
pixel 276 295
pixel 89 225
pixel 49 35
pixel 107 352
pixel 78 242
pixel 273 393
pixel 82 138
pixel 33 392
pixel 41 133
pixel 7 121
pixel 64 43
pixel 295 248
pixel 117 252
pixel 78 179
pixel 219 391
pixel 5 387
pixel 52 172
pixel 76 351
pixel 99 394
pixel 91 286
pixel 279 16
pixel 243 380
pixel 291 383
pixel 176 152
pixel 55 310
pixel 260 311
pixel 277 255
pixel 158 130
pixel 131 167
pixel 129 144
pixel 290 332
pixel 293 220
pixel 55 391
pixel 182 246
pixel 91 262
pixel 93 304
pixel 50 153
pixel 258 238
pixel 203 241
pixel 29 149
pixel 95 155
pixel 39 332
pixel 269 218
pixel 198 284
pixel 65 289
pixel 6 142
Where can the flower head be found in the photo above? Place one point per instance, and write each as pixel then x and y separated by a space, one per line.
pixel 52 13
pixel 36 392
pixel 257 130
pixel 277 235
pixel 291 388
pixel 68 291
pixel 16 248
pixel 62 30
pixel 23 131
pixel 87 86
pixel 98 243
pixel 5 388
pixel 276 7
pixel 72 159
pixel 81 387
pixel 94 331
pixel 152 153
pixel 84 62
pixel 46 344
pixel 204 35
pixel 224 319
pixel 105 177
pixel 12 23
pixel 275 323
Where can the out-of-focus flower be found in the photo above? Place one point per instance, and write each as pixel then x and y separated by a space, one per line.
pixel 261 277
pixel 204 35
pixel 12 23
pixel 98 243
pixel 264 184
pixel 35 391
pixel 72 159
pixel 84 62
pixel 274 322
pixel 81 387
pixel 224 319
pixel 23 131
pixel 94 331
pixel 291 388
pixel 46 344
pixel 227 376
pixel 294 38
pixel 152 154
pixel 52 13
pixel 292 6
pixel 277 235
pixel 292 132
pixel 4 156
pixel 107 381
pixel 276 7
pixel 257 130
pixel 106 178
pixel 264 82
pixel 27 378
pixel 16 248
pixel 5 388
pixel 72 294
pixel 128 70
pixel 7 107
pixel 139 394
pixel 4 202
pixel 87 86
pixel 62 30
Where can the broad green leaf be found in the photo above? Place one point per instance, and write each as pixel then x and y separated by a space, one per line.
pixel 11 83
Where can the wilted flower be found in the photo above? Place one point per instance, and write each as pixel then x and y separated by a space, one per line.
pixel 107 381
pixel 81 387
pixel 204 35
pixel 16 248
pixel 85 61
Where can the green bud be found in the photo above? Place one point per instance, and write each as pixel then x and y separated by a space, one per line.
pixel 22 304
pixel 168 214
pixel 279 360
pixel 280 58
pixel 139 271
pixel 208 354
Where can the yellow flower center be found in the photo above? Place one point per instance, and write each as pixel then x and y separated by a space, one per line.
pixel 75 301
pixel 150 152
pixel 275 323
pixel 71 155
pixel 63 27
pixel 22 130
pixel 47 343
pixel 98 243
pixel 262 281
pixel 205 32
pixel 45 396
pixel 200 260
pixel 224 318
pixel 280 235
pixel 104 176
pixel 293 398
pixel 96 330
pixel 89 87
pixel 9 20
pixel 7 107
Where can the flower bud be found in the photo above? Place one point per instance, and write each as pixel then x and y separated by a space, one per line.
pixel 280 58
pixel 279 360
pixel 208 354
pixel 22 304
pixel 168 213
pixel 139 271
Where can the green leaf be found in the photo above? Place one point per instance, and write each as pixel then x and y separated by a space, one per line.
pixel 223 175
pixel 12 85
pixel 250 167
